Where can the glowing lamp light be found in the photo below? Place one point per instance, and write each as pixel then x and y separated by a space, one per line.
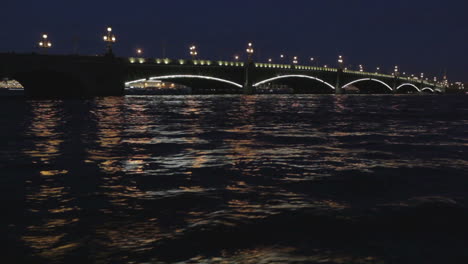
pixel 110 39
pixel 295 60
pixel 45 43
pixel 340 59
pixel 193 51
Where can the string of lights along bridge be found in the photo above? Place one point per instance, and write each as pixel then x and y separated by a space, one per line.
pixel 244 76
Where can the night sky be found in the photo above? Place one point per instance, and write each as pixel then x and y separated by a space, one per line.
pixel 419 36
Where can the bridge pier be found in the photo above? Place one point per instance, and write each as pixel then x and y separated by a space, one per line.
pixel 395 85
pixel 338 89
pixel 249 89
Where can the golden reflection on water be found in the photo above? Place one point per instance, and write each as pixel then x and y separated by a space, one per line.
pixel 139 235
pixel 47 195
pixel 284 255
pixel 46 118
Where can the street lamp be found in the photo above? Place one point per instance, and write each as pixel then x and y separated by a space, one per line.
pixel 361 68
pixel 193 52
pixel 396 71
pixel 45 42
pixel 340 62
pixel 377 70
pixel 110 39
pixel 312 60
pixel 295 60
pixel 270 60
pixel 139 52
pixel 236 58
pixel 250 51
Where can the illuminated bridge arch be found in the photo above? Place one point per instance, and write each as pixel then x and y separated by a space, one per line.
pixel 408 84
pixel 368 79
pixel 168 77
pixel 293 76
pixel 427 89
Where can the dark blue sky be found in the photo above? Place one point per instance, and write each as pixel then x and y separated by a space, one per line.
pixel 419 36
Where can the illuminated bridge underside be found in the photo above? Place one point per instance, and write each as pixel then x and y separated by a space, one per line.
pixel 172 77
pixel 368 79
pixel 293 76
pixel 428 89
pixel 408 84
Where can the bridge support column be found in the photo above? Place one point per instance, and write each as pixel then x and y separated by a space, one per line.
pixel 338 89
pixel 395 85
pixel 248 87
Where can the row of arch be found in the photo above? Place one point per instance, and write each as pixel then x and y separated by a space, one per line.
pixel 168 77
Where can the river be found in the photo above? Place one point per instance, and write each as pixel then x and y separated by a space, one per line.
pixel 235 179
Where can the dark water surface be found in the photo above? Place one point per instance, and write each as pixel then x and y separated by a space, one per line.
pixel 235 179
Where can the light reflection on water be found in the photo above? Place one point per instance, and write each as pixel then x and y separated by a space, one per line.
pixel 133 179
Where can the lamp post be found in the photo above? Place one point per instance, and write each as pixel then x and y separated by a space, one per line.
pixel 236 57
pixel 250 51
pixel 295 60
pixel 193 52
pixel 248 89
pixel 45 43
pixel 361 68
pixel 339 74
pixel 312 60
pixel 377 70
pixel 396 74
pixel 340 62
pixel 110 39
pixel 422 80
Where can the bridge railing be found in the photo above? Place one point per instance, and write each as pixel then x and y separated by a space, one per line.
pixel 294 67
pixel 167 61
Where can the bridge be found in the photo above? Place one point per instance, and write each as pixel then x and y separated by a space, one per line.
pixel 77 76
